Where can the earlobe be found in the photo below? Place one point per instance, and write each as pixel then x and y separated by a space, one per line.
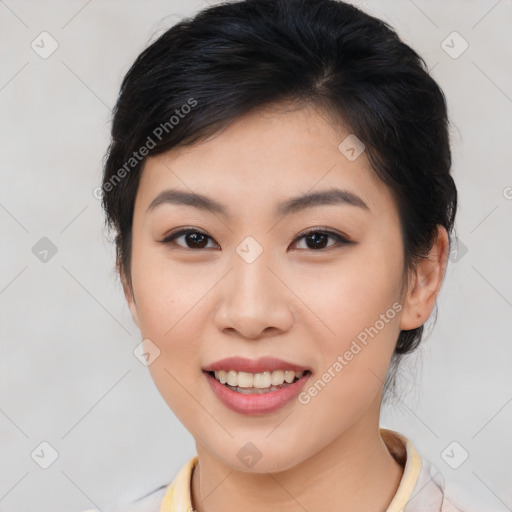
pixel 425 284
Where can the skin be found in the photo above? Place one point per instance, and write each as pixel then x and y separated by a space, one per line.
pixel 294 302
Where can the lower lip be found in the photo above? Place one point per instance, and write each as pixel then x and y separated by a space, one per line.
pixel 257 403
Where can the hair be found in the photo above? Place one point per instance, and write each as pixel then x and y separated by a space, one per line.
pixel 207 71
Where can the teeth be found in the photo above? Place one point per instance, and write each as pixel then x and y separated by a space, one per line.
pixel 277 378
pixel 257 380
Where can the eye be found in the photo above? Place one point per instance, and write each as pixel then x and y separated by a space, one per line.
pixel 315 239
pixel 193 238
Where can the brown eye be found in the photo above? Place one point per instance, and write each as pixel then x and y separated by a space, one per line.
pixel 193 239
pixel 317 239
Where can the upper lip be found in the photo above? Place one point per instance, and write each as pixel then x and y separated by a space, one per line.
pixel 242 364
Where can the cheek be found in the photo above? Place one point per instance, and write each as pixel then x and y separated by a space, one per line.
pixel 163 293
pixel 169 315
pixel 351 296
pixel 169 307
pixel 358 305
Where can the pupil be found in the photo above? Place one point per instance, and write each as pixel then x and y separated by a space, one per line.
pixel 194 237
pixel 316 242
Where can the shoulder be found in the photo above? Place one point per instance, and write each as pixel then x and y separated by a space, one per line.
pixel 149 502
pixel 452 496
pixel 174 495
pixel 424 488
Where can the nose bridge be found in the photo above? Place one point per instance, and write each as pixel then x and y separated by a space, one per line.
pixel 252 279
pixel 252 299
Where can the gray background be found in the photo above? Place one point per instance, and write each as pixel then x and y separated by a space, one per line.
pixel 68 375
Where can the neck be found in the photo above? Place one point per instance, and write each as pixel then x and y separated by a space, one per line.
pixel 354 473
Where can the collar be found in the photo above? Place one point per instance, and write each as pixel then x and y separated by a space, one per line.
pixel 177 497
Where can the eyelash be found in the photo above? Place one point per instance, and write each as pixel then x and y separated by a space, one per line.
pixel 339 238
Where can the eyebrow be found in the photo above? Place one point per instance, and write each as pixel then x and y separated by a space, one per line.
pixel 293 205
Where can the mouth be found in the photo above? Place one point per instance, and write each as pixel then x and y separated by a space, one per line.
pixel 235 390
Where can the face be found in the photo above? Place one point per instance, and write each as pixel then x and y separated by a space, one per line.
pixel 247 282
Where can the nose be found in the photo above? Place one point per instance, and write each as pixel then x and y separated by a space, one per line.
pixel 253 301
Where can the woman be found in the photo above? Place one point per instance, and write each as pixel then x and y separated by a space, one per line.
pixel 279 184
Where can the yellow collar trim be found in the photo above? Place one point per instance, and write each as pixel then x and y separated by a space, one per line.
pixel 177 497
pixel 411 474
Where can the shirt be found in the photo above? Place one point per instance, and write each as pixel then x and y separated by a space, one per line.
pixel 421 489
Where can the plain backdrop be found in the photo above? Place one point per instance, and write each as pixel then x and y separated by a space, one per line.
pixel 68 375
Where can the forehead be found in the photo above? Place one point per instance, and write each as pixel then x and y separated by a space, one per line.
pixel 264 157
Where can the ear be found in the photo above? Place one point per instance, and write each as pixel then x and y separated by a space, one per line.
pixel 130 298
pixel 425 284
